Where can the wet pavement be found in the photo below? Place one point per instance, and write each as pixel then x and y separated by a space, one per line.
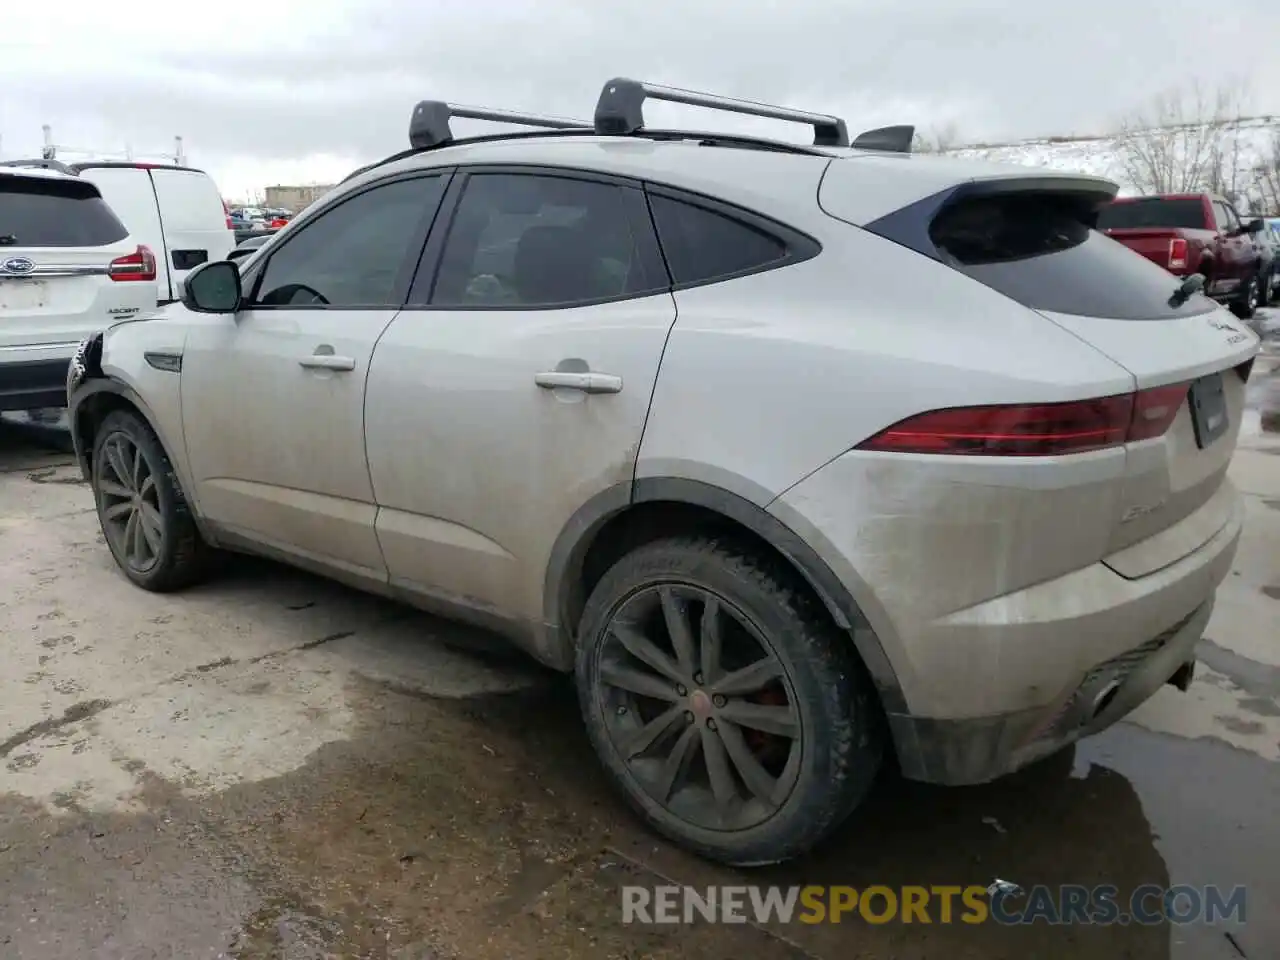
pixel 271 766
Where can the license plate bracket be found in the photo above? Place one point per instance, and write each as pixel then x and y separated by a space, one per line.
pixel 22 293
pixel 1208 409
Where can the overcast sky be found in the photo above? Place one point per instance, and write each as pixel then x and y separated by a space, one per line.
pixel 304 90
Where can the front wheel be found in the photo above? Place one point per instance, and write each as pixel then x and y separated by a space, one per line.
pixel 723 704
pixel 145 518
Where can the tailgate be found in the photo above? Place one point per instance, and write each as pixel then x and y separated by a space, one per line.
pixel 1152 244
pixel 1175 495
pixel 57 299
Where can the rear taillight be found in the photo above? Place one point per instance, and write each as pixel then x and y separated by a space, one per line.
pixel 227 212
pixel 1177 254
pixel 139 265
pixel 1035 430
pixel 1154 411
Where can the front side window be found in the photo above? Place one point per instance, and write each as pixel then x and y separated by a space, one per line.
pixel 530 240
pixel 352 255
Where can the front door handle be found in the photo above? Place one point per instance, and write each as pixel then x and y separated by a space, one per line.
pixel 328 361
pixel 571 380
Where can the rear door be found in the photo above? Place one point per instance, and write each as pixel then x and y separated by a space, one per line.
pixel 1237 247
pixel 515 387
pixel 58 239
pixel 193 219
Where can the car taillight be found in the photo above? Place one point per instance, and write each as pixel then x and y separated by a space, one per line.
pixel 1035 430
pixel 227 212
pixel 1154 411
pixel 1177 254
pixel 139 265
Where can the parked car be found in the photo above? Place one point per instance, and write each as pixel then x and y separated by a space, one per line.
pixel 1268 242
pixel 68 267
pixel 653 404
pixel 176 211
pixel 250 245
pixel 1197 233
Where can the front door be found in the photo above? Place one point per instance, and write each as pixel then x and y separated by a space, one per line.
pixel 518 390
pixel 273 398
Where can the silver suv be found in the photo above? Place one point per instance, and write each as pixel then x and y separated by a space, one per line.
pixel 798 456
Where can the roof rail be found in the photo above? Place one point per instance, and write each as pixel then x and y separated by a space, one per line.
pixel 429 126
pixel 41 164
pixel 619 111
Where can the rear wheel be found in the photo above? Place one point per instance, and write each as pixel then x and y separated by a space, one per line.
pixel 728 710
pixel 1267 289
pixel 1246 304
pixel 144 515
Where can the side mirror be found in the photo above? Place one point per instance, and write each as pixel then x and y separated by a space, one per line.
pixel 213 288
pixel 1253 226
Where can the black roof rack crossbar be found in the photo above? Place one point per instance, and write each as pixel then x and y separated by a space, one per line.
pixel 620 110
pixel 40 164
pixel 895 139
pixel 429 126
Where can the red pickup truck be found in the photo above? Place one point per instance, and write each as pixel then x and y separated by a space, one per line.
pixel 1193 233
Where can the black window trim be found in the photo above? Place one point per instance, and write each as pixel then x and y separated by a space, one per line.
pixel 800 246
pixel 422 291
pixel 408 268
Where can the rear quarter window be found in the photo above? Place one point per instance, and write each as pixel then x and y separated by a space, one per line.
pixel 704 243
pixel 38 212
pixel 1040 250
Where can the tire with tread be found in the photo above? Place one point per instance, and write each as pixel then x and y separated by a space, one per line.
pixel 1245 305
pixel 843 732
pixel 185 556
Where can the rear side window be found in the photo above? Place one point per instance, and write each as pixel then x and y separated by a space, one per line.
pixel 701 245
pixel 533 241
pixel 35 212
pixel 1153 213
pixel 1038 249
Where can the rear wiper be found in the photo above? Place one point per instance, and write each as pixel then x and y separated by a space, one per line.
pixel 1193 284
pixel 7 239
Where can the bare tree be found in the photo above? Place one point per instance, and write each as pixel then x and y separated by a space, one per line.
pixel 1266 177
pixel 1176 143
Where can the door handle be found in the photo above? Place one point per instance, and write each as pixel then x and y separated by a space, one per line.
pixel 586 382
pixel 328 361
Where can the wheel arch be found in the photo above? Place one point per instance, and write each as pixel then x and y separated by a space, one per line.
pixel 625 516
pixel 92 401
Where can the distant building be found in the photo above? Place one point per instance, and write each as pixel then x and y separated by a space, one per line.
pixel 295 198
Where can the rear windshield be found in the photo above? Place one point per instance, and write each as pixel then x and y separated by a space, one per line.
pixel 1039 250
pixel 35 212
pixel 1152 212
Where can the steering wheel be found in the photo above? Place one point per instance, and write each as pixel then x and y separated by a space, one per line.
pixel 287 295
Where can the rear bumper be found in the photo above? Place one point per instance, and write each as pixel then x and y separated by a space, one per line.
pixel 998 655
pixel 958 752
pixel 33 384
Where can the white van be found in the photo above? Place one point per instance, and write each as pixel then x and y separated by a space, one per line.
pixel 176 211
